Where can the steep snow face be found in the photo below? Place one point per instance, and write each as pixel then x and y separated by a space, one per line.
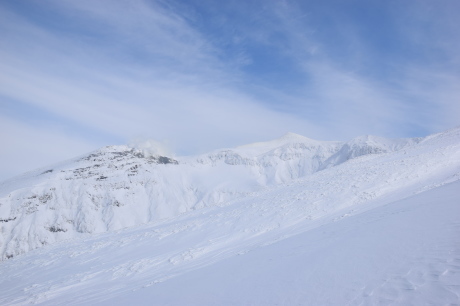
pixel 105 190
pixel 118 186
pixel 364 145
pixel 277 161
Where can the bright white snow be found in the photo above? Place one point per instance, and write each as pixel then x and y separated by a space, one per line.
pixel 292 221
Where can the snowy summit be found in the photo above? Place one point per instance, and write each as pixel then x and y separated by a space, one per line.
pixel 293 221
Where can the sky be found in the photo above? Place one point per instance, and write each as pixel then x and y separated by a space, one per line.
pixel 199 75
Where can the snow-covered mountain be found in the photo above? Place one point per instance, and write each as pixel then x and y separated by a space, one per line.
pixel 118 186
pixel 182 214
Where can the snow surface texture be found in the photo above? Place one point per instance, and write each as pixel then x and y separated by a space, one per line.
pixel 369 221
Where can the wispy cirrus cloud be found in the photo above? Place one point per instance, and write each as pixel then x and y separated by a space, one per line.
pixel 205 75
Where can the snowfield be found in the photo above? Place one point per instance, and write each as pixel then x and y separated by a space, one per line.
pixel 292 221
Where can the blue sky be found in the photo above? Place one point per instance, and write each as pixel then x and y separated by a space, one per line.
pixel 201 75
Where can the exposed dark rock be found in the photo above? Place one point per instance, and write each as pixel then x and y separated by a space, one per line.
pixel 56 229
pixel 7 220
pixel 45 198
pixel 166 160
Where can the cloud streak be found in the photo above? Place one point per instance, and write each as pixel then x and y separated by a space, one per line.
pixel 204 76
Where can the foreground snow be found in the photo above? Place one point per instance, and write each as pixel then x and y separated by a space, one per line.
pixel 404 252
pixel 368 228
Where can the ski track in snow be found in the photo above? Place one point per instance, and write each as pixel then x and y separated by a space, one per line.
pixel 90 269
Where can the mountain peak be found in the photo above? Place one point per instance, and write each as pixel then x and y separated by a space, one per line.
pixel 293 137
pixel 265 146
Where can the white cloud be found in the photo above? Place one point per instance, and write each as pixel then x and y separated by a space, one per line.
pixel 196 109
pixel 151 147
pixel 140 69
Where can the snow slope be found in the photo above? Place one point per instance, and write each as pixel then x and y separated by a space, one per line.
pixel 377 229
pixel 404 253
pixel 118 187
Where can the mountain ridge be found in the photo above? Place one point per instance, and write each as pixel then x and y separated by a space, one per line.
pixel 117 187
